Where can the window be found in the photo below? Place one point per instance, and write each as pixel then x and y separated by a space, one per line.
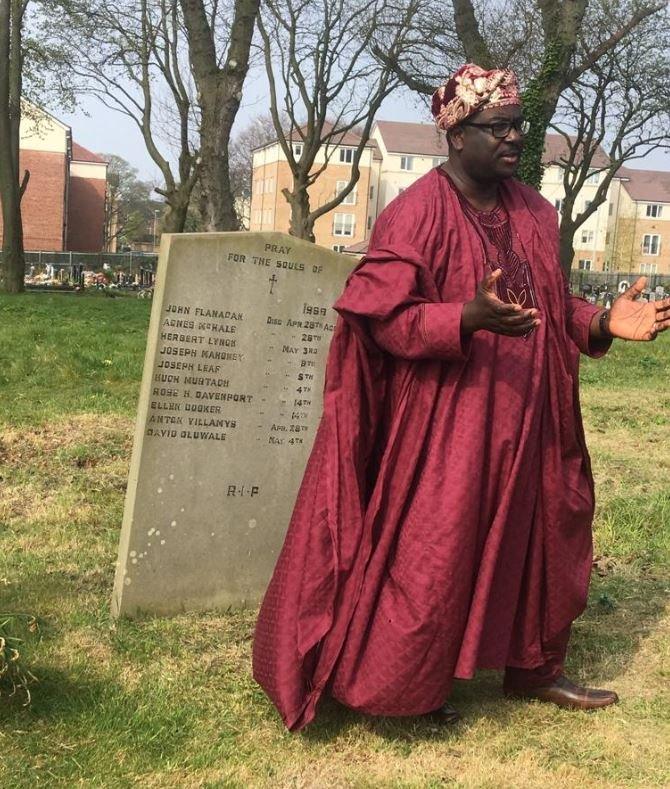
pixel 651 244
pixel 648 268
pixel 343 224
pixel 401 189
pixel 587 236
pixel 338 247
pixel 610 210
pixel 369 223
pixel 350 199
pixel 266 217
pixel 558 205
pixel 406 162
pixel 593 178
pixel 654 210
pixel 297 149
pixel 587 204
pixel 438 160
pixel 584 264
pixel 372 192
pixel 269 185
pixel 607 237
pixel 258 186
pixel 347 155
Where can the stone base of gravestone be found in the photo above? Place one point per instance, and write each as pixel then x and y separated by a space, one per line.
pixel 230 400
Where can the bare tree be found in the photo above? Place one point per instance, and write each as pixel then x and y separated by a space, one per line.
pixel 12 268
pixel 622 105
pixel 219 80
pixel 321 74
pixel 540 38
pixel 256 134
pixel 129 207
pixel 133 62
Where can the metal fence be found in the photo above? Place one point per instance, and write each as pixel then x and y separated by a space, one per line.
pixel 69 270
pixel 92 261
pixel 138 269
pixel 603 286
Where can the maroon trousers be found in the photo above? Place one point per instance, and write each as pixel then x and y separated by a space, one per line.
pixel 543 675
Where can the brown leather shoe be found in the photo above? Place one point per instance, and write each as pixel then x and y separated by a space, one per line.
pixel 565 694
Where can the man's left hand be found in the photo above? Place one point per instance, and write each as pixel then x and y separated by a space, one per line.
pixel 630 319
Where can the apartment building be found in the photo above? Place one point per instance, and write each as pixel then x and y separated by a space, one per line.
pixel 639 227
pixel 347 224
pixel 630 229
pixel 63 207
pixel 408 151
pixel 591 239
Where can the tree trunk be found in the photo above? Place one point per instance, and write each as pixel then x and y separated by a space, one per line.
pixel 12 272
pixel 539 105
pixel 12 266
pixel 467 29
pixel 566 246
pixel 217 202
pixel 219 95
pixel 302 221
pixel 177 210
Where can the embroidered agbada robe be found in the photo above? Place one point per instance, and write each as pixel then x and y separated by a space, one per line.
pixel 444 520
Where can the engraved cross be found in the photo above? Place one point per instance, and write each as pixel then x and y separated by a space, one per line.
pixel 273 280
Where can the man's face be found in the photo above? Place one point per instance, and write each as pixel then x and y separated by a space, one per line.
pixel 484 157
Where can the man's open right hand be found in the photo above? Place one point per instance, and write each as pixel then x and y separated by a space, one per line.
pixel 487 311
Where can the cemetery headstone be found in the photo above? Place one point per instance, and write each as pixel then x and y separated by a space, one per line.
pixel 624 285
pixel 230 400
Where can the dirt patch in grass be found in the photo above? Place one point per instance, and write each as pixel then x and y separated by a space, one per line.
pixel 32 446
pixel 85 451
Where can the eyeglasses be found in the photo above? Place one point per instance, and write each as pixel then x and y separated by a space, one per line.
pixel 501 129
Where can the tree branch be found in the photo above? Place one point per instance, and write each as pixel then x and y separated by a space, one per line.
pixel 476 49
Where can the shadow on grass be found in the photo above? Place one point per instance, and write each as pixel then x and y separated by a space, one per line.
pixel 79 721
pixel 622 613
pixel 60 695
pixel 476 699
pixel 84 701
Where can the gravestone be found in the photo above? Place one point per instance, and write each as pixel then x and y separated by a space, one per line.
pixel 230 400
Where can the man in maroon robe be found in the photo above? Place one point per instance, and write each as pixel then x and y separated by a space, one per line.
pixel 444 520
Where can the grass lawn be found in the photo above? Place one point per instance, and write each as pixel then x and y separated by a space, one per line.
pixel 164 703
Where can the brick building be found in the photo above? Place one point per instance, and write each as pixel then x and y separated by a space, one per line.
pixel 63 206
pixel 86 203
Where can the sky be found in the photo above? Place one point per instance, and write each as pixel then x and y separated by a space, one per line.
pixel 103 130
